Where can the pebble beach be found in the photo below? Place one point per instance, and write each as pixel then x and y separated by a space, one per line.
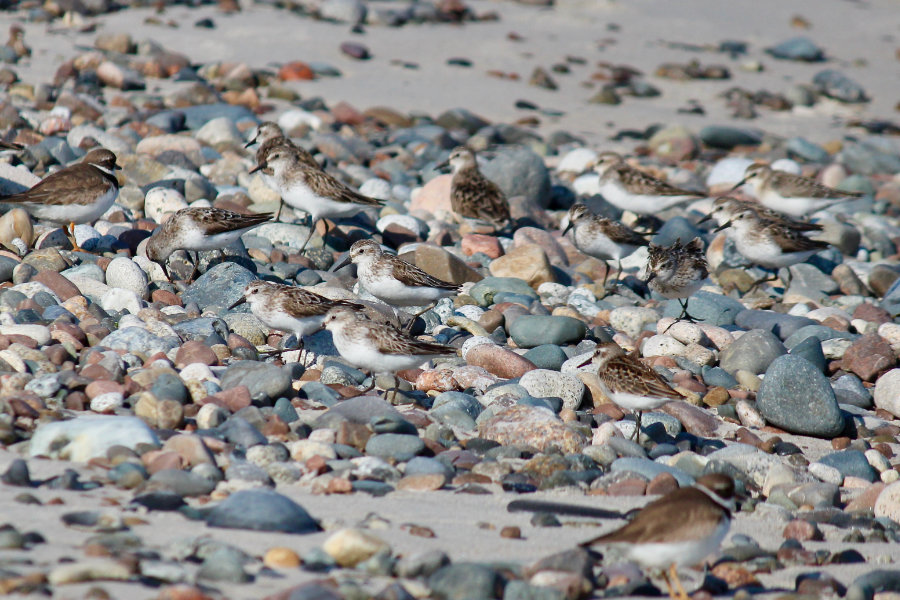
pixel 153 444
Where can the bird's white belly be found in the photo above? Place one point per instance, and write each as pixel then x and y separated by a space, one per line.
pixel 365 357
pixel 688 553
pixel 641 204
pixel 302 197
pixel 391 291
pixel 193 239
pixel 768 254
pixel 75 213
pixel 636 401
pixel 600 246
pixel 284 322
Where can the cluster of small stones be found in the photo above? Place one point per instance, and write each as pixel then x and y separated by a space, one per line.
pixel 163 392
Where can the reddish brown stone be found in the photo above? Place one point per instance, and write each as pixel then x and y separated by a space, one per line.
pixel 166 297
pixel 627 487
pixel 70 329
pixel 868 356
pixel 871 313
pixel 802 531
pixel 695 420
pixel 353 434
pixel 57 354
pixel 195 352
pixel 95 371
pixel 95 388
pixel 735 575
pixel 610 410
pixel 296 71
pixel 499 361
pixel 511 532
pixel 662 484
pixel 76 401
pixel 163 460
pixel 464 478
pixel 486 244
pixel 60 286
pixel 191 448
pixel 316 464
pixel 339 485
pixel 21 408
pixel 275 427
pixel 839 443
pixel 236 341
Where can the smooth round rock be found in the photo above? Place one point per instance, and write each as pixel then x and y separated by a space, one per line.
pixel 261 510
pixel 349 547
pixel 123 273
pixel 797 397
pixel 542 383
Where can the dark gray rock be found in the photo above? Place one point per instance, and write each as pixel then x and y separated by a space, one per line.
pixel 394 446
pixel 261 510
pixel 798 48
pixel 707 307
pixel 851 463
pixel 838 86
pixel 726 138
pixel 520 172
pixel 221 286
pixel 797 397
pixel 811 350
pixel 823 332
pixel 462 581
pixel 780 324
pixel 849 390
pixel 264 381
pixel 360 410
pixel 529 331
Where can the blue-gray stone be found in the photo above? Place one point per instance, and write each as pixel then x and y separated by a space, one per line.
pixel 849 389
pixel 124 472
pixel 321 393
pixel 707 307
pixel 462 581
pixel 201 328
pixel 239 431
pixel 838 86
pixel 247 471
pixel 522 299
pixel 7 265
pixel 183 483
pixel 169 387
pixel 726 138
pixel 425 465
pixel 650 469
pixel 547 356
pixel 719 376
pixel 624 447
pixel 529 331
pixel 823 332
pixel 261 510
pixel 851 463
pixel 811 350
pixel 522 590
pixel 797 397
pixel 891 300
pixel 754 351
pixel 866 158
pixel 221 286
pixel 809 277
pixel 798 48
pixel 394 446
pixel 360 410
pixel 196 117
pixel 676 228
pixel 782 325
pixel 264 381
pixel 800 148
pixel 554 404
pixel 138 341
pixel 224 564
pixel 867 585
pixel 519 171
pixel 285 411
pixel 483 292
pixel 447 401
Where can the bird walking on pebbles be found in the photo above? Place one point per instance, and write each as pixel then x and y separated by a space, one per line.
pixel 631 189
pixel 269 136
pixel 602 238
pixel 79 193
pixel 472 195
pixel 677 271
pixel 395 281
pixel 726 208
pixel 289 308
pixel 378 347
pixel 770 244
pixel 679 529
pixel 793 194
pixel 311 189
pixel 628 382
pixel 199 228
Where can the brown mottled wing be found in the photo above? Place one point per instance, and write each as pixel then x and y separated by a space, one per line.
pixel 56 188
pixel 300 303
pixel 684 514
pixel 391 341
pixel 302 154
pixel 632 377
pixel 414 276
pixel 803 187
pixel 793 241
pixel 643 183
pixel 218 220
pixel 621 234
pixel 323 182
pixel 474 196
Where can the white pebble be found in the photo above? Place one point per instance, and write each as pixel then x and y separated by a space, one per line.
pixel 475 340
pixel 118 299
pixel 107 403
pixel 749 415
pixel 197 372
pixel 376 187
pixel 631 319
pixel 826 473
pixel 123 273
pixel 878 461
pixel 662 345
pixel 684 332
pixel 160 201
pixel 577 161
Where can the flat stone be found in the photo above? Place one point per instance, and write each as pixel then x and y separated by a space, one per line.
pixel 261 510
pixel 529 331
pixel 84 438
pixel 797 397
pixel 531 426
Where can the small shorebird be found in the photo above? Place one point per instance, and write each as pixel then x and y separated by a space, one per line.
pixel 377 347
pixel 788 193
pixel 199 228
pixel 80 193
pixel 10 146
pixel 602 238
pixel 681 528
pixel 677 271
pixel 311 189
pixel 631 189
pixel 770 244
pixel 269 136
pixel 726 208
pixel 628 382
pixel 17 41
pixel 395 281
pixel 472 195
pixel 289 308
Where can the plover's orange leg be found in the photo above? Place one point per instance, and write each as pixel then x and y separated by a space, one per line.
pixel 70 233
pixel 668 584
pixel 673 570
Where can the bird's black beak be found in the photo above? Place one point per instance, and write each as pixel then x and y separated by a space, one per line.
pixel 341 264
pixel 722 226
pixel 251 142
pixel 259 167
pixel 705 218
pixel 737 185
pixel 650 277
pixel 238 303
pixel 587 362
pixel 117 168
pixel 568 227
pixel 442 166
